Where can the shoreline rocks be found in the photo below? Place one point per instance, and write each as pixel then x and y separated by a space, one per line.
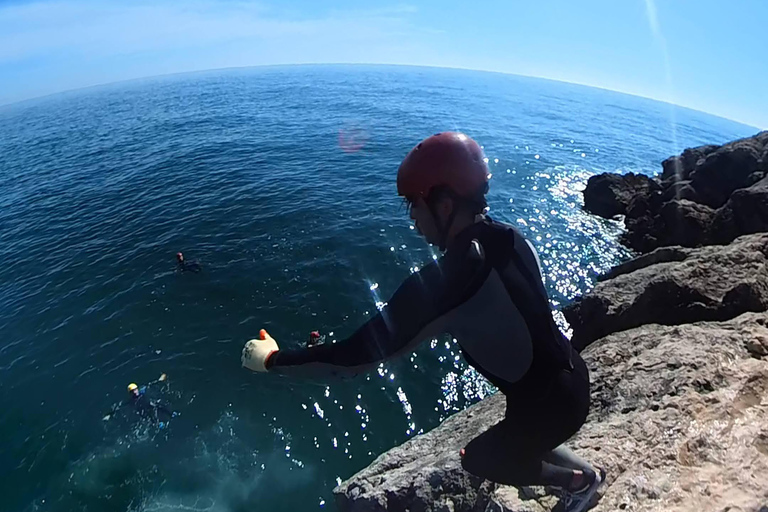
pixel 673 286
pixel 608 195
pixel 706 195
pixel 679 421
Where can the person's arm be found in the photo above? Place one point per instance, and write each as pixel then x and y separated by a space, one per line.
pixel 417 311
pixel 114 409
pixel 162 378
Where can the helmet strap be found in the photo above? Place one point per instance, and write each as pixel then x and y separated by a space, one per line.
pixel 442 229
pixel 448 224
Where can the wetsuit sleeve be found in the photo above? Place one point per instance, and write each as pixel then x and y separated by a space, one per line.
pixel 417 311
pixel 148 385
pixel 535 257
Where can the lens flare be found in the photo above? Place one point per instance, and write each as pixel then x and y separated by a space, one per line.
pixel 352 139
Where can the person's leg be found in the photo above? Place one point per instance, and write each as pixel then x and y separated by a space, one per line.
pixel 587 478
pixel 577 401
pixel 163 413
pixel 526 447
pixel 562 456
pixel 509 455
pixel 583 472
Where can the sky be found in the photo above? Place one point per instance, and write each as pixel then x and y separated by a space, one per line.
pixel 708 55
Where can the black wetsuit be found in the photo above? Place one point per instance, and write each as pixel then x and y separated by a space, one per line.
pixel 486 291
pixel 148 408
pixel 189 266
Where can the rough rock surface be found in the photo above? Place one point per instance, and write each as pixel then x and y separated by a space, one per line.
pixel 673 286
pixel 709 194
pixel 745 212
pixel 425 474
pixel 608 195
pixel 688 222
pixel 727 169
pixel 679 420
pixel 679 168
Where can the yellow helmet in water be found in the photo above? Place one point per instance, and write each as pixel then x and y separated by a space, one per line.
pixel 132 386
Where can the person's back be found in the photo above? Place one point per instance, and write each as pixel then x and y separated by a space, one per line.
pixel 504 324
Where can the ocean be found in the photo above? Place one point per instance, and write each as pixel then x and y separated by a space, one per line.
pixel 280 181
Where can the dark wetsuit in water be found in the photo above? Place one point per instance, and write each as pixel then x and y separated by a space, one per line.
pixel 487 292
pixel 189 266
pixel 149 408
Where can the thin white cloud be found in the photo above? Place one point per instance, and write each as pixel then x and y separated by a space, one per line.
pixel 88 28
pixel 53 45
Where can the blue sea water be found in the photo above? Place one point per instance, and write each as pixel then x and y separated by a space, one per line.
pixel 280 181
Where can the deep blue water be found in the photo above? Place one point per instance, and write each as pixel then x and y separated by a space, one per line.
pixel 243 171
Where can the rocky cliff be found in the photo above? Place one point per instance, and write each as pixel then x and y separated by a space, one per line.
pixel 706 195
pixel 675 285
pixel 679 420
pixel 677 345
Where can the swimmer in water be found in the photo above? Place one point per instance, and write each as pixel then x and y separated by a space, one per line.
pixel 146 407
pixel 187 266
pixel 315 339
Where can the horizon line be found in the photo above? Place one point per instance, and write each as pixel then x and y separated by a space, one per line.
pixel 301 64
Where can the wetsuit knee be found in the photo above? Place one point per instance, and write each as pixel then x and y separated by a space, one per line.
pixel 470 464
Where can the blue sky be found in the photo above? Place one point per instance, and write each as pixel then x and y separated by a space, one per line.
pixel 704 54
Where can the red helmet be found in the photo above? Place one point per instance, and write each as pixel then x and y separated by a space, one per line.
pixel 448 159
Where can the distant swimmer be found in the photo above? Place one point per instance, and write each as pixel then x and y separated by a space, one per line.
pixel 315 339
pixel 147 407
pixel 187 266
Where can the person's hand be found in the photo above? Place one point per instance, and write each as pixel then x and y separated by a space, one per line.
pixel 162 377
pixel 256 352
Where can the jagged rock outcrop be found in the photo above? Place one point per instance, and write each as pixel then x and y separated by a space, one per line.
pixel 725 170
pixel 425 473
pixel 745 212
pixel 609 195
pixel 679 420
pixel 707 195
pixel 679 168
pixel 675 285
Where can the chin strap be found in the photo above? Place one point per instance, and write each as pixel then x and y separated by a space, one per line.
pixel 442 229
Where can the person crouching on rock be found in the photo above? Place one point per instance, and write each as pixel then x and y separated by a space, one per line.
pixel 487 292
